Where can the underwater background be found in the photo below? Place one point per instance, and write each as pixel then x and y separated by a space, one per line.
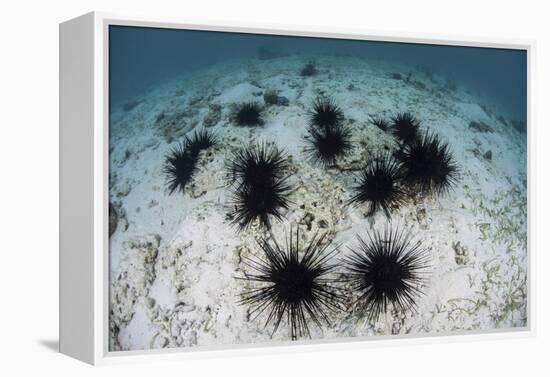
pixel 144 57
pixel 200 122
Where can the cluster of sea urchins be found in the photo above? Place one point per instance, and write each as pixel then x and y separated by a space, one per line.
pixel 299 283
pixel 259 179
pixel 386 269
pixel 328 138
pixel 427 163
pixel 423 164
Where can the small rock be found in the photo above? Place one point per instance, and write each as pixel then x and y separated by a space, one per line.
pixel 461 253
pixel 422 217
pixel 174 125
pixel 128 106
pixel 419 85
pixel 153 203
pixel 307 220
pixel 213 116
pixel 192 338
pixel 150 302
pixel 160 342
pixel 270 97
pixel 282 101
pixel 126 156
pixel 322 224
pixel 197 192
pixel 395 76
pixel 519 125
pixel 195 99
pixel 113 219
pixel 124 189
pixel 151 143
pixel 124 225
pixel 488 155
pixel 185 308
pixel 480 126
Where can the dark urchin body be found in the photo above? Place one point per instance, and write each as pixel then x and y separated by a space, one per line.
pixel 259 202
pixel 379 186
pixel 256 164
pixel 325 113
pixel 293 283
pixel 405 128
pixel 247 114
pixel 386 269
pixel 428 165
pixel 259 177
pixel 326 145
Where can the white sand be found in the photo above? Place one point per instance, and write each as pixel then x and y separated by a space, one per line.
pixel 174 258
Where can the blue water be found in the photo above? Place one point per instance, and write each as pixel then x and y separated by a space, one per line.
pixel 141 58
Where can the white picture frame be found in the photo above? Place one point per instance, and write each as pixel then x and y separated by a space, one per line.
pixel 84 189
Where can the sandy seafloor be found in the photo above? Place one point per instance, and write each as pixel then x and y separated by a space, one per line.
pixel 174 258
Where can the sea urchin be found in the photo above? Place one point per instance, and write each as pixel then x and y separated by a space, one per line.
pixel 428 165
pixel 379 185
pixel 325 113
pixel 326 145
pixel 293 283
pixel 405 128
pixel 387 269
pixel 252 203
pixel 247 114
pixel 256 164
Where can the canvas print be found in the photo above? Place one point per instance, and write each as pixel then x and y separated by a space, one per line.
pixel 270 189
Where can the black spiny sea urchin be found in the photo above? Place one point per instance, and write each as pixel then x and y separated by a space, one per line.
pixel 259 176
pixel 379 185
pixel 428 165
pixel 251 203
pixel 247 114
pixel 325 113
pixel 181 162
pixel 328 144
pixel 405 128
pixel 387 269
pixel 293 283
pixel 257 164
